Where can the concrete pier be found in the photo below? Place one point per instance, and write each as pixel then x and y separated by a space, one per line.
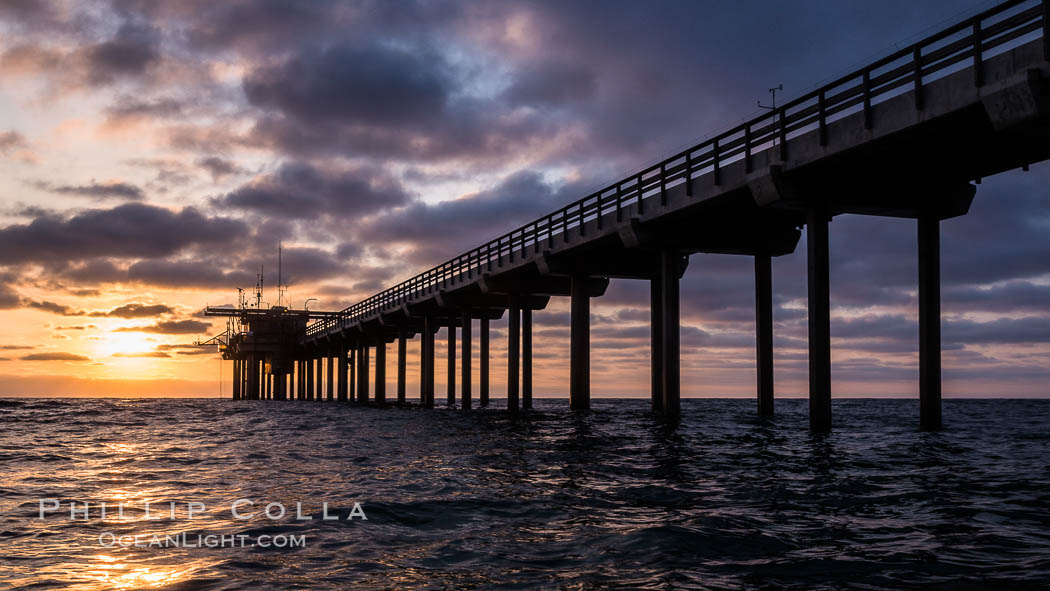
pixel 905 137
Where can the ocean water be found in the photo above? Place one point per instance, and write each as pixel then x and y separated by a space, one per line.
pixel 551 499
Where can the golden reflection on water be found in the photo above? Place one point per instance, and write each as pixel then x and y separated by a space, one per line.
pixel 112 572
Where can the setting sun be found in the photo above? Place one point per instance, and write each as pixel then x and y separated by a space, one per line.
pixel 120 344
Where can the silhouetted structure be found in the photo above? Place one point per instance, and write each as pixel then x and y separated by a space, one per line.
pixel 906 136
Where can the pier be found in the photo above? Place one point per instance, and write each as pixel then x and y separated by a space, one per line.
pixel 910 135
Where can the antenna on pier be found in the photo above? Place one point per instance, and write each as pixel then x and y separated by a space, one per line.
pixel 281 288
pixel 772 91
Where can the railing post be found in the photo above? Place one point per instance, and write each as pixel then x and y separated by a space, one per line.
pixel 619 202
pixel 822 105
pixel 717 170
pixel 917 75
pixel 783 135
pixel 1046 30
pixel 978 58
pixel 867 99
pixel 663 184
pixel 689 173
pixel 641 201
pixel 747 148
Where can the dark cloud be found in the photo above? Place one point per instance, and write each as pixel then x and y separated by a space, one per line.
pixel 186 349
pixel 132 108
pixel 552 83
pixel 128 54
pixel 144 354
pixel 170 327
pixel 136 310
pixel 219 168
pixel 14 347
pixel 129 230
pixel 97 190
pixel 443 228
pixel 54 357
pixel 381 99
pixel 11 142
pixel 303 191
pixel 52 307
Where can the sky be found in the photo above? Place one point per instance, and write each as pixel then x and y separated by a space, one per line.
pixel 152 155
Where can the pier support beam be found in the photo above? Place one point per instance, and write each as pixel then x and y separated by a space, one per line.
pixel 579 345
pixel 465 365
pixel 929 323
pixel 656 343
pixel 402 362
pixel 320 378
pixel 428 362
pixel 236 379
pixel 380 389
pixel 670 327
pixel 253 378
pixel 362 373
pixel 483 362
pixel 819 319
pixel 451 365
pixel 309 363
pixel 351 383
pixel 341 374
pixel 268 383
pixel 764 333
pixel 330 362
pixel 526 358
pixel 513 353
pixel 280 383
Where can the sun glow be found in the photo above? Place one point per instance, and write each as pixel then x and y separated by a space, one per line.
pixel 124 343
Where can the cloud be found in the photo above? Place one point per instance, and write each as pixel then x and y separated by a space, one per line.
pixel 130 53
pixel 144 354
pixel 12 142
pixel 54 357
pixel 98 191
pixel 381 99
pixel 14 347
pixel 170 327
pixel 220 168
pixel 52 307
pixel 136 310
pixel 128 230
pixel 448 226
pixel 300 190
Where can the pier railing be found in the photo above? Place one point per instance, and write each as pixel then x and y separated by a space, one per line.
pixel 965 44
